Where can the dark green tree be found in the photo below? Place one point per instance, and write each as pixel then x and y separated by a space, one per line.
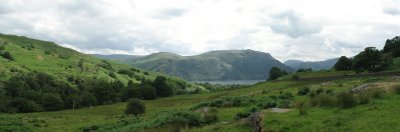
pixel 343 64
pixel 392 46
pixel 147 91
pixel 275 73
pixel 86 99
pixel 52 102
pixel 135 107
pixel 371 59
pixel 162 88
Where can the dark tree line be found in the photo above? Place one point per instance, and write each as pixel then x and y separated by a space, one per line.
pixel 371 59
pixel 275 73
pixel 38 91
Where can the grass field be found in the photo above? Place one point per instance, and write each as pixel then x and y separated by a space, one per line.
pixel 380 114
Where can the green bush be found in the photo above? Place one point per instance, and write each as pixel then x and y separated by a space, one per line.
pixel 302 106
pixel 396 89
pixel 2 47
pixel 209 115
pixel 179 118
pixel 346 100
pixel 270 105
pixel 303 91
pixel 323 100
pixel 135 107
pixel 7 55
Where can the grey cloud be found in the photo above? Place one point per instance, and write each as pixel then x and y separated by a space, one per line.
pixel 392 11
pixel 170 13
pixel 291 24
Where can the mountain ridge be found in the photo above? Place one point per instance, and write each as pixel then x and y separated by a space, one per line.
pixel 211 66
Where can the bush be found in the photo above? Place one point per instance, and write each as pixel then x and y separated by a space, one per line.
pixel 270 105
pixel 112 75
pixel 346 100
pixel 209 114
pixel 323 100
pixel 2 47
pixel 8 56
pixel 396 89
pixel 87 99
pixel 148 92
pixel 302 106
pixel 178 118
pixel 241 115
pixel 135 107
pixel 303 91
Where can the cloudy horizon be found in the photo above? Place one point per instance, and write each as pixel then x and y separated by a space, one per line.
pixel 308 30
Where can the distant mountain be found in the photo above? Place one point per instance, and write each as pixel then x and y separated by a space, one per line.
pixel 115 56
pixel 315 65
pixel 211 66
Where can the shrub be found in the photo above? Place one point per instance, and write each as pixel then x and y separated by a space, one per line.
pixel 287 95
pixel 295 77
pixel 323 100
pixel 209 114
pixel 270 105
pixel 284 104
pixel 396 89
pixel 319 90
pixel 148 92
pixel 64 56
pixel 8 56
pixel 346 100
pixel 112 74
pixel 135 107
pixel 303 91
pixel 178 118
pixel 2 47
pixel 302 106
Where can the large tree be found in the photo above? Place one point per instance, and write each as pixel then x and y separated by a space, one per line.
pixel 275 73
pixel 343 63
pixel 392 46
pixel 371 59
pixel 162 88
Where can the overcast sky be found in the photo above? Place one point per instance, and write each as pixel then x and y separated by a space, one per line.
pixel 288 29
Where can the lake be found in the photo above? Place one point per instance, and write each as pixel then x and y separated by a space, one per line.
pixel 240 82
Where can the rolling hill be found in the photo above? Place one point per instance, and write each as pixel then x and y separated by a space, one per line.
pixel 211 66
pixel 315 65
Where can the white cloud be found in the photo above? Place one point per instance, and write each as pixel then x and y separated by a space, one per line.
pixel 306 29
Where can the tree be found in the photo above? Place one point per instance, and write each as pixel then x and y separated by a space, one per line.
pixel 371 59
pixel 275 73
pixel 343 64
pixel 52 102
pixel 392 46
pixel 162 88
pixel 148 92
pixel 87 99
pixel 135 107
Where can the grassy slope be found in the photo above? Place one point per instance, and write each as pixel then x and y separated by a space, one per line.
pixel 35 59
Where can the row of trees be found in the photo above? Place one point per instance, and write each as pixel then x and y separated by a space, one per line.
pixel 38 91
pixel 371 59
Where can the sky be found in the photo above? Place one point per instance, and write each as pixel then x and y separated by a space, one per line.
pixel 287 29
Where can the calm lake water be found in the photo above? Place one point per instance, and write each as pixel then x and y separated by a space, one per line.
pixel 241 82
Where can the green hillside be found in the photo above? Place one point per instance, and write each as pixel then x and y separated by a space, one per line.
pixel 214 65
pixel 36 75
